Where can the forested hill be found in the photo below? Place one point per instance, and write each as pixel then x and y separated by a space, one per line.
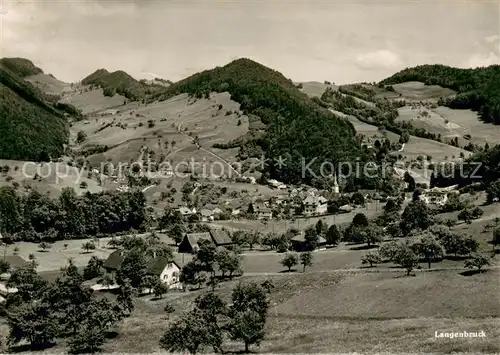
pixel 477 89
pixel 20 67
pixel 119 82
pixel 296 126
pixel 31 128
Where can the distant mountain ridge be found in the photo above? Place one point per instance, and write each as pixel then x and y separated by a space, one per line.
pixel 121 83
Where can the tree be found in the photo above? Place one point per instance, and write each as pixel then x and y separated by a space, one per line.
pixel 306 259
pixel 311 238
pixel 192 274
pixel 159 289
pixel 477 261
pixel 228 261
pixel 360 220
pixel 93 268
pixel 133 267
pixel 496 239
pixel 80 137
pixel 189 333
pixel 371 258
pixel 493 191
pixel 371 234
pixel 98 318
pixel 206 256
pixel 404 137
pixel 391 206
pixel 125 298
pixel 4 267
pixel 465 215
pixel 428 248
pixel 333 235
pixel 88 246
pixel 290 260
pixel 390 250
pixel 357 198
pixel 29 284
pixel 169 308
pixel 149 282
pixel 177 232
pixel 44 246
pixel 416 215
pixel 214 308
pixel 33 322
pixel 248 314
pixel 407 259
pixel 321 227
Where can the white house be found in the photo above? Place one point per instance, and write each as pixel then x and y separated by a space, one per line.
pixel 315 205
pixel 166 269
pixel 438 196
pixel 206 215
pixel 185 211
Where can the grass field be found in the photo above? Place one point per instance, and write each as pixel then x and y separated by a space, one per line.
pixel 52 177
pixel 450 123
pixel 315 88
pixel 417 91
pixel 439 152
pixel 348 312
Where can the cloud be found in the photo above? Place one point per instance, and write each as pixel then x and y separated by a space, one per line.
pixel 381 59
pixel 492 38
pixel 481 60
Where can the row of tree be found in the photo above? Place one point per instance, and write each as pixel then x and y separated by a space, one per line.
pixel 36 217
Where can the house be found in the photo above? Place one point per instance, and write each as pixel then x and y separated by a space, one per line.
pixel 114 261
pixel 206 215
pixel 315 205
pixel 346 209
pixel 185 211
pixel 263 212
pixel 299 242
pixel 190 242
pixel 217 211
pixel 221 237
pixel 438 196
pixel 166 269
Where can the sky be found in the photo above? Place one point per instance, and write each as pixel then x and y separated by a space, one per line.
pixel 339 41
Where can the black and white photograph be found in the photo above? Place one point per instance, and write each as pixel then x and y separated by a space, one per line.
pixel 249 176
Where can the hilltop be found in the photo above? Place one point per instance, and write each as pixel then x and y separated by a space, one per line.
pixel 296 126
pixel 20 66
pixel 477 89
pixel 119 82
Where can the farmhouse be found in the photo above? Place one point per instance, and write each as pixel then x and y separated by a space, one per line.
pixel 206 215
pixel 114 261
pixel 190 242
pixel 299 242
pixel 263 212
pixel 315 205
pixel 167 270
pixel 185 211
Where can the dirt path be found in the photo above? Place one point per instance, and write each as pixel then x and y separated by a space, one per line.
pixel 207 151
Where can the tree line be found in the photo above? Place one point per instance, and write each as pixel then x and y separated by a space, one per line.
pixel 36 217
